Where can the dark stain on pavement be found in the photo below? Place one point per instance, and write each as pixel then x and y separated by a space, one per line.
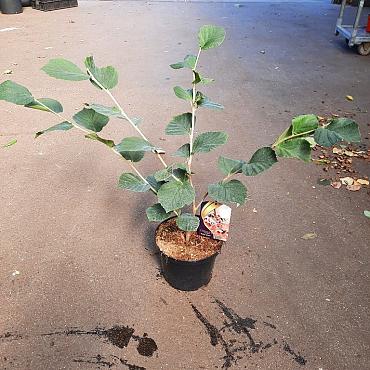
pixel 117 335
pixel 96 360
pixel 147 346
pixel 131 366
pixel 103 362
pixel 244 341
pixel 297 357
pixel 10 336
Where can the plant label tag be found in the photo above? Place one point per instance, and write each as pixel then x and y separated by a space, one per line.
pixel 214 220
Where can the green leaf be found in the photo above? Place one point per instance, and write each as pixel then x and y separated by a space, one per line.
pixel 326 137
pixel 261 160
pixel 163 175
pixel 199 79
pixel 132 156
pixel 203 101
pixel 286 133
pixel 180 125
pixel 304 123
pixel 187 222
pixel 132 182
pixel 134 144
pixel 367 213
pixel 346 128
pixel 10 143
pixel 15 93
pixel 178 65
pixel 106 76
pixel 64 70
pixel 183 151
pixel 181 93
pixel 153 182
pixel 157 213
pixel 180 170
pixel 210 37
pixel 294 148
pixel 233 191
pixel 339 129
pixel 208 141
pixel 106 111
pixel 229 166
pixel 63 126
pixel 91 120
pixel 189 61
pixel 107 142
pixel 175 195
pixel 52 104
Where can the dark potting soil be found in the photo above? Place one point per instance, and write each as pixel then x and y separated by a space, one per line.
pixel 171 241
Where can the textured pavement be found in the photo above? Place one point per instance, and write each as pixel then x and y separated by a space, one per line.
pixel 89 294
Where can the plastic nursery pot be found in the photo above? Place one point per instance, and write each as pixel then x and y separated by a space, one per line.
pixel 11 6
pixel 181 274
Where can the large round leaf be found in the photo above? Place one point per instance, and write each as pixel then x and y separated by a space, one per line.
pixel 210 36
pixel 48 105
pixel 133 182
pixel 91 120
pixel 261 160
pixel 64 70
pixel 187 222
pixel 106 76
pixel 233 191
pixel 15 93
pixel 175 195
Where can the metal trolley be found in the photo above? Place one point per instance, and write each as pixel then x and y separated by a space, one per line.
pixel 355 35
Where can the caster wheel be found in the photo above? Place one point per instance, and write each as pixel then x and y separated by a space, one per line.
pixel 364 48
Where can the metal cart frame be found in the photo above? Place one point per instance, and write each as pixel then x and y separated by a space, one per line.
pixel 355 35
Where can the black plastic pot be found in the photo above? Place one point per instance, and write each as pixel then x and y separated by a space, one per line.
pixel 187 275
pixel 11 6
pixel 26 3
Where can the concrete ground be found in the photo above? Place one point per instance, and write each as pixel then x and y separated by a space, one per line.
pixel 79 278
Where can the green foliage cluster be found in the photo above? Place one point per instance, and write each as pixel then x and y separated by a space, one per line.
pixel 173 184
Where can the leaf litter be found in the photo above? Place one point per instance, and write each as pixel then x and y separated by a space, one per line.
pixel 341 159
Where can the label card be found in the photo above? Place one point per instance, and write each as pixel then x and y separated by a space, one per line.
pixel 214 220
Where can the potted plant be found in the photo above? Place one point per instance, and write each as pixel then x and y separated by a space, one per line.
pixel 187 254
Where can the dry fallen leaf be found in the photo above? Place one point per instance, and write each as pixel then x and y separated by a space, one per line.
pixel 336 184
pixel 349 97
pixel 346 180
pixel 7 72
pixel 309 236
pixel 254 210
pixel 348 153
pixel 367 213
pixel 354 187
pixel 337 151
pixel 363 181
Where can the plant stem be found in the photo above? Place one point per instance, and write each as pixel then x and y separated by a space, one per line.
pixel 292 137
pixel 89 132
pixel 191 135
pixel 125 115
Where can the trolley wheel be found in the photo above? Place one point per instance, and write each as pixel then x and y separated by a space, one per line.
pixel 364 48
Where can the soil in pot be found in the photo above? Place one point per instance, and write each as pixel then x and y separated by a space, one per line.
pixel 171 241
pixel 186 265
